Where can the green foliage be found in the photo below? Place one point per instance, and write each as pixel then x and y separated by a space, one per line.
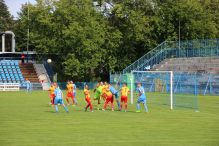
pixel 5 18
pixel 113 33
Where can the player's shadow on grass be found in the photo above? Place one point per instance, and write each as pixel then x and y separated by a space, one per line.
pixel 50 112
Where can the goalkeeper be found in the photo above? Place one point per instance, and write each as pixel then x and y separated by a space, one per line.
pixel 98 95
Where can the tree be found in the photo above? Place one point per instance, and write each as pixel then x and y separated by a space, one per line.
pixel 5 18
pixel 71 29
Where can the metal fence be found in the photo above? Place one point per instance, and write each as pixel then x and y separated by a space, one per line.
pixel 62 86
pixel 204 84
pixel 171 49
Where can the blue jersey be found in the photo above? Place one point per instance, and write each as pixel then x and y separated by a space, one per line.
pixel 28 83
pixel 113 90
pixel 58 93
pixel 74 87
pixel 141 89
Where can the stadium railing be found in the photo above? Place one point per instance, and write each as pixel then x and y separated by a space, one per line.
pixel 30 59
pixel 52 75
pixel 175 49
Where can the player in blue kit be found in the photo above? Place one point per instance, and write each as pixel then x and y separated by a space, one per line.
pixel 142 98
pixel 59 98
pixel 116 93
pixel 74 92
pixel 28 86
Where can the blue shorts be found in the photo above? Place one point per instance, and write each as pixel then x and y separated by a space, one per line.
pixel 74 94
pixel 28 87
pixel 143 100
pixel 60 101
pixel 117 96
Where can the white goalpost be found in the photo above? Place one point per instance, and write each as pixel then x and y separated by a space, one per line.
pixel 158 86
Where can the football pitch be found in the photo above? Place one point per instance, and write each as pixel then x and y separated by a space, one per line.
pixel 30 120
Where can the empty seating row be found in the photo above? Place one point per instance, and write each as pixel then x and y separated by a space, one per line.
pixel 8 63
pixel 9 66
pixel 10 71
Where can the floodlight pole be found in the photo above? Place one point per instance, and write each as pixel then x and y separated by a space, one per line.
pixel 28 33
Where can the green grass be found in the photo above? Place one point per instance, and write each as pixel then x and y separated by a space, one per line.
pixel 29 120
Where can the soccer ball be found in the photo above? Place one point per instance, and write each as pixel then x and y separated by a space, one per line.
pixel 49 60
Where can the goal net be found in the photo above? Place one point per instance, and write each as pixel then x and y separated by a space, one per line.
pixel 175 90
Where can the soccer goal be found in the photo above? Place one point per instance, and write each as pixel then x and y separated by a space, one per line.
pixel 177 90
pixel 158 86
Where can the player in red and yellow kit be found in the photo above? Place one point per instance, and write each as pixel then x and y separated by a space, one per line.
pixel 51 94
pixel 109 98
pixel 87 98
pixel 69 88
pixel 124 97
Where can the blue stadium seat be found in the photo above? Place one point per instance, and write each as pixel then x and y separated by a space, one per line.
pixel 1 82
pixel 13 79
pixel 14 72
pixel 9 70
pixel 17 79
pixel 1 69
pixel 5 82
pixel 11 75
pixel 12 66
pixel 2 72
pixel 16 62
pixel 22 79
pixel 12 62
pixel 7 62
pixel 17 66
pixel 4 79
pixel 18 70
pixel 5 70
pixel 14 69
pixel 9 79
pixel 10 82
pixel 6 75
pixel 3 62
pixel 4 67
pixel 0 66
pixel 9 66
pixel 20 74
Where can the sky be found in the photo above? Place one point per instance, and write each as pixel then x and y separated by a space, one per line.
pixel 15 5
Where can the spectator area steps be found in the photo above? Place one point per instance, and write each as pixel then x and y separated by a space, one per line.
pixel 28 71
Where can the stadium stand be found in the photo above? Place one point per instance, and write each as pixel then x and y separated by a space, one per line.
pixel 10 72
pixel 190 65
pixel 28 71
